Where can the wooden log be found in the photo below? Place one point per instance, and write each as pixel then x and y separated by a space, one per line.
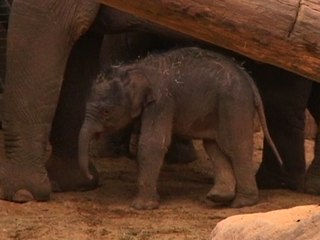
pixel 282 33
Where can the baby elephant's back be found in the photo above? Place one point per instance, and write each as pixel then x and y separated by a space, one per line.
pixel 198 74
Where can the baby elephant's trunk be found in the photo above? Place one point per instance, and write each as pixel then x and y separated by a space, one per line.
pixel 86 134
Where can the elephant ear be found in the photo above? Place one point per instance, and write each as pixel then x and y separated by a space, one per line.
pixel 139 90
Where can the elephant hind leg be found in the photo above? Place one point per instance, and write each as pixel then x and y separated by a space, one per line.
pixel 235 138
pixel 312 181
pixel 224 181
pixel 285 97
pixel 241 157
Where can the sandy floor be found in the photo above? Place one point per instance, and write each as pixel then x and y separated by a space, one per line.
pixel 105 214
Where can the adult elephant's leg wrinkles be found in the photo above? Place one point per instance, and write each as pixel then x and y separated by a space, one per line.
pixel 40 38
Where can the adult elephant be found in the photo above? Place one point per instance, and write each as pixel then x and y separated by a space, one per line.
pixel 53 52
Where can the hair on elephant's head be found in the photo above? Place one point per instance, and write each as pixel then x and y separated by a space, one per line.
pixel 117 97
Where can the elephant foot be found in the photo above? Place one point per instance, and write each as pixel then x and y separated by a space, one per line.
pixel 146 203
pixel 278 182
pixel 221 193
pixel 65 175
pixel 280 179
pixel 295 183
pixel 312 181
pixel 245 200
pixel 269 180
pixel 23 183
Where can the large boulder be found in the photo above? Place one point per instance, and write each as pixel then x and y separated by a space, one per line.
pixel 299 223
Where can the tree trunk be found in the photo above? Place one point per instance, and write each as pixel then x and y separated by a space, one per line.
pixel 281 33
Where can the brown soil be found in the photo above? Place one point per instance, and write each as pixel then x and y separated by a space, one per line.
pixel 105 213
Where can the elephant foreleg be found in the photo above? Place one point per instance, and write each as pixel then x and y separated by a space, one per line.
pixel 40 38
pixel 154 141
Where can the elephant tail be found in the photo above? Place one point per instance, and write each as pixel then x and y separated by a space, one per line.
pixel 260 110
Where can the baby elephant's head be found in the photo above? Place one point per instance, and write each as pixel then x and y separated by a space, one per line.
pixel 116 99
pixel 108 106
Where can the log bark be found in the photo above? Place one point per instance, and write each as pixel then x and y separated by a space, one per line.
pixel 282 33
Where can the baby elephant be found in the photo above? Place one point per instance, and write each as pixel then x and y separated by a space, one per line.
pixel 189 92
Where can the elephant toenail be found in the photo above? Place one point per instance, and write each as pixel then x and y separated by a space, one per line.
pixel 22 196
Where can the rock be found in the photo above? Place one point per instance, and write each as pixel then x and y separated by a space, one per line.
pixel 299 223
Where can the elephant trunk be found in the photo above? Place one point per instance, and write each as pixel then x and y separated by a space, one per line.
pixel 87 132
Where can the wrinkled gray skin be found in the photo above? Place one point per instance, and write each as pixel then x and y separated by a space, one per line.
pixel 52 56
pixel 53 50
pixel 161 90
pixel 41 36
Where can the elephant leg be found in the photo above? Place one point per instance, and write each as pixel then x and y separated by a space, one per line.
pixel 224 180
pixel 285 97
pixel 154 141
pixel 234 137
pixel 312 184
pixel 82 67
pixel 314 100
pixel 40 38
pixel 240 150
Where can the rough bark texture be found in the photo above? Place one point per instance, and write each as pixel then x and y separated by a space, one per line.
pixel 282 33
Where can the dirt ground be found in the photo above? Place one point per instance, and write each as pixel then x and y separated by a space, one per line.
pixel 104 213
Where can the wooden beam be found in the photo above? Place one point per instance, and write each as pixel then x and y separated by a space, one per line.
pixel 282 33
